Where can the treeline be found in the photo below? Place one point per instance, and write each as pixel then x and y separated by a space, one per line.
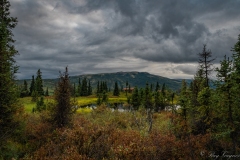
pixel 84 88
pixel 152 99
pixel 36 87
pixel 205 110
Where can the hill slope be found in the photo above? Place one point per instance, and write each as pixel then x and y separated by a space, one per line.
pixel 138 79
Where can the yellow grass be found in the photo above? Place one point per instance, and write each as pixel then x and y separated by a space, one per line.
pixel 81 101
pixel 84 110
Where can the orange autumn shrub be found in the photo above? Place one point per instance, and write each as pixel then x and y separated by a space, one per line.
pixel 104 136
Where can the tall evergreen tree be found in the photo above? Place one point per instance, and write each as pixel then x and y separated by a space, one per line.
pixel 99 100
pixel 206 64
pixel 74 90
pixel 84 89
pixel 89 88
pixel 204 110
pixel 126 87
pixel 157 100
pixel 148 104
pixel 62 112
pixel 225 107
pixel 116 90
pixel 151 87
pixel 101 87
pixel 157 87
pixel 135 99
pixel 148 98
pixel 141 94
pixel 79 88
pixel 196 86
pixel 98 88
pixel 40 106
pixel 163 97
pixel 163 91
pixel 32 86
pixel 8 88
pixel 105 88
pixel 104 97
pixel 25 86
pixel 39 83
pixel 201 94
pixel 183 100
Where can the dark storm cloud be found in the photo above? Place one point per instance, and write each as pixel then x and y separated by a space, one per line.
pixel 174 20
pixel 89 35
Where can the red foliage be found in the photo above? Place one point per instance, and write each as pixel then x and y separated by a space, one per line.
pixel 87 140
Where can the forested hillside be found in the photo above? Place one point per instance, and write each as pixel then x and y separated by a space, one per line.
pixel 138 79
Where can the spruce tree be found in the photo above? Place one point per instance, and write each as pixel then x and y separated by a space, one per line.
pixel 157 100
pixel 148 104
pixel 39 83
pixel 148 98
pixel 205 63
pixel 151 87
pixel 126 87
pixel 98 88
pixel 32 86
pixel 224 93
pixel 157 87
pixel 62 112
pixel 163 97
pixel 89 88
pixel 183 100
pixel 8 88
pixel 104 97
pixel 196 86
pixel 84 89
pixel 25 85
pixel 101 87
pixel 79 88
pixel 201 94
pixel 40 106
pixel 105 88
pixel 116 90
pixel 99 100
pixel 135 99
pixel 141 94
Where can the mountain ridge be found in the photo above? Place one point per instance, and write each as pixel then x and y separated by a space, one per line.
pixel 134 78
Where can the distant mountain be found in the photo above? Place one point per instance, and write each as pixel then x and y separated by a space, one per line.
pixel 138 79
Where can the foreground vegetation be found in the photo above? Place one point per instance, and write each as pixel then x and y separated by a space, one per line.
pixel 107 134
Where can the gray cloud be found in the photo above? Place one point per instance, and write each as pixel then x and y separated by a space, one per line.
pixel 92 36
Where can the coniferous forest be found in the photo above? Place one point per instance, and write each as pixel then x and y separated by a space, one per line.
pixel 196 122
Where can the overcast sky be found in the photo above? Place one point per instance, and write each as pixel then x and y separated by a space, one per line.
pixel 162 37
